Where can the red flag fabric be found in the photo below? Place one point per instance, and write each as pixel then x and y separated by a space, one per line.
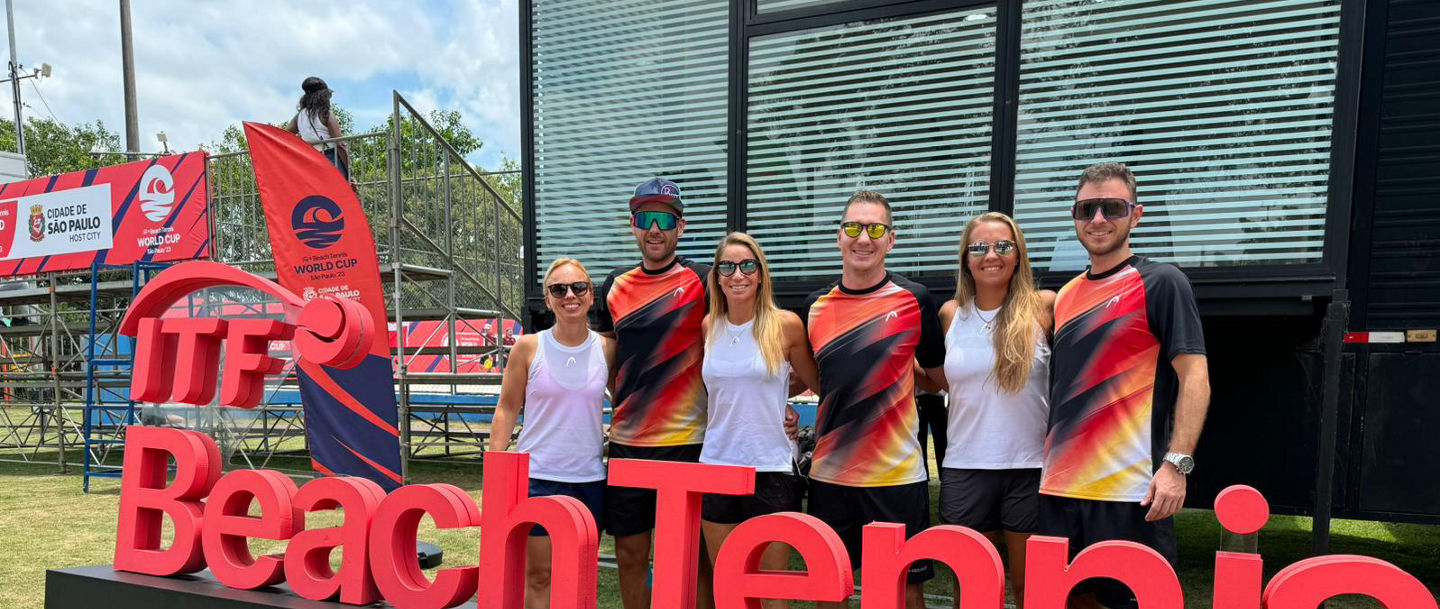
pixel 322 245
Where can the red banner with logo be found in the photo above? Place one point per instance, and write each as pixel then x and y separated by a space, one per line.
pixel 156 210
pixel 322 244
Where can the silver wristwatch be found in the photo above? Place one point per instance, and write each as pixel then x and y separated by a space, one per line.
pixel 1183 463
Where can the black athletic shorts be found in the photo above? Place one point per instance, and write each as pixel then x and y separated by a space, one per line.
pixel 990 499
pixel 848 508
pixel 1085 522
pixel 774 492
pixel 631 511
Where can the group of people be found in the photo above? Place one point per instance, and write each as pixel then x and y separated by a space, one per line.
pixel 1072 414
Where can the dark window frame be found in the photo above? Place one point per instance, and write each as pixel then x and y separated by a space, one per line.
pixel 1285 288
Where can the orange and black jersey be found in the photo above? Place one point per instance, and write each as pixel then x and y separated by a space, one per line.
pixel 864 342
pixel 659 398
pixel 1112 388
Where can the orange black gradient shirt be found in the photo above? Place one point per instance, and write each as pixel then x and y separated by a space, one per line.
pixel 865 341
pixel 659 398
pixel 1112 388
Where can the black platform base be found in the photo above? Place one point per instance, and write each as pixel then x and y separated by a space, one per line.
pixel 87 587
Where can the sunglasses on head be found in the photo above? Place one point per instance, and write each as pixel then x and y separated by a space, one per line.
pixel 876 230
pixel 747 266
pixel 557 290
pixel 978 249
pixel 664 220
pixel 1111 208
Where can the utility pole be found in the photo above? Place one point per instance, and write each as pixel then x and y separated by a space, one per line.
pixel 14 78
pixel 127 60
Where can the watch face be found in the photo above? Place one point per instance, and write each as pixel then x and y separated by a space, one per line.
pixel 1186 464
pixel 1183 463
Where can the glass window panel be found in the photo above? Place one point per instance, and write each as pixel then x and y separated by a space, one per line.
pixel 770 6
pixel 1222 108
pixel 899 106
pixel 625 90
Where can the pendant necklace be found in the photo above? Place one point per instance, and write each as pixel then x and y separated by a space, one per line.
pixel 735 333
pixel 988 322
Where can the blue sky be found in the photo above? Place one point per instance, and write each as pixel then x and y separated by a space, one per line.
pixel 201 66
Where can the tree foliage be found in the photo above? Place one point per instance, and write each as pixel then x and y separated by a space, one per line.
pixel 53 147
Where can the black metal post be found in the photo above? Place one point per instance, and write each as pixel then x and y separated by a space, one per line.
pixel 1337 319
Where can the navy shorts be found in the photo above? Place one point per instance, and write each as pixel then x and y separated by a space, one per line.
pixel 848 508
pixel 631 511
pixel 592 494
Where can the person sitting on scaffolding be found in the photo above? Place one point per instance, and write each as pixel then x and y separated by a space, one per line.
pixel 315 124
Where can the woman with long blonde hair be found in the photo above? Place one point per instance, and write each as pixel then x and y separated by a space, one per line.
pixel 558 377
pixel 997 371
pixel 752 348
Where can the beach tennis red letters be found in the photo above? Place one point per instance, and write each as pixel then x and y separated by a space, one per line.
pixel 208 513
pixel 177 360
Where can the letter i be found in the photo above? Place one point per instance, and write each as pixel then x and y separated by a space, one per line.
pixel 1242 510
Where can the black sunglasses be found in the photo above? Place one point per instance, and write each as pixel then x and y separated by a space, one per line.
pixel 557 290
pixel 747 266
pixel 1003 247
pixel 1111 208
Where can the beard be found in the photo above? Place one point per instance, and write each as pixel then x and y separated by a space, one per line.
pixel 1123 238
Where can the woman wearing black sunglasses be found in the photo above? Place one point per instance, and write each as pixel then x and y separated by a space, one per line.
pixel 997 370
pixel 558 377
pixel 752 348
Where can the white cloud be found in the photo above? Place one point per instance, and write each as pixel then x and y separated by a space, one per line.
pixel 203 66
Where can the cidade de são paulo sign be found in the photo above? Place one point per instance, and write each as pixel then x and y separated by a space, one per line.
pixel 177 360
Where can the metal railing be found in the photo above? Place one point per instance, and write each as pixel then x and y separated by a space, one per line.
pixel 450 250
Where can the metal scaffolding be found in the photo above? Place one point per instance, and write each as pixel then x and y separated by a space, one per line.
pixel 449 246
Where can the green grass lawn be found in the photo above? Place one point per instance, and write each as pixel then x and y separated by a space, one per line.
pixel 47 522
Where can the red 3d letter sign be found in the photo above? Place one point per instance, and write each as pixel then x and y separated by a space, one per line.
pixel 330 332
pixel 212 522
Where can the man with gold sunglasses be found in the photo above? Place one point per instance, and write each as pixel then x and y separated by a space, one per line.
pixel 866 330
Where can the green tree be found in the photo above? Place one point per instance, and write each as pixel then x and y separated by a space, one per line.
pixel 507 181
pixel 53 147
pixel 232 139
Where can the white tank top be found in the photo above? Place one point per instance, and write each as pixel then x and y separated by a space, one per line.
pixel 746 424
pixel 564 399
pixel 990 428
pixel 312 129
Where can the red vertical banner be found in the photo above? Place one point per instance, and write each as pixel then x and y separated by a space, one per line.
pixel 322 245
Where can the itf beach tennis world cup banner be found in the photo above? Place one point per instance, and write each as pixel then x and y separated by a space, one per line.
pixel 322 246
pixel 156 210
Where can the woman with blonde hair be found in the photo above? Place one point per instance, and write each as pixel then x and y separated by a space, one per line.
pixel 558 377
pixel 997 371
pixel 752 348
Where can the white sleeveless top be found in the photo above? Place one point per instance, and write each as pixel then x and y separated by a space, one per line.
pixel 312 129
pixel 990 428
pixel 746 424
pixel 564 399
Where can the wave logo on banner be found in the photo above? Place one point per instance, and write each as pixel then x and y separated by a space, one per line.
pixel 350 413
pixel 317 221
pixel 157 192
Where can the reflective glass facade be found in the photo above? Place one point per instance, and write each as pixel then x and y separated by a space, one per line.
pixel 1224 108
